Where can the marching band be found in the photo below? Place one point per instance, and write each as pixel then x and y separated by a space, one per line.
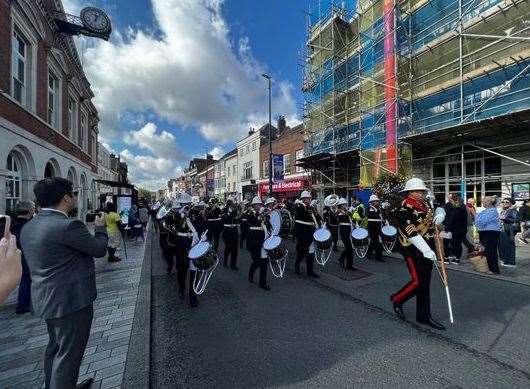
pixel 189 240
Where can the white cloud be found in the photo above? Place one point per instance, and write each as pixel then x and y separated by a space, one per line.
pixel 217 152
pixel 189 73
pixel 161 144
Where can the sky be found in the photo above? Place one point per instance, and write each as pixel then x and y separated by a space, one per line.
pixel 180 78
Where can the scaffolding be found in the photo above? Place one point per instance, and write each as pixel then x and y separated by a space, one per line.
pixel 378 72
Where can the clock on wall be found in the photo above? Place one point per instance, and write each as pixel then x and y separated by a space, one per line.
pixel 95 20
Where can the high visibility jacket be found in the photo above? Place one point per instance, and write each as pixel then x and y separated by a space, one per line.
pixel 358 215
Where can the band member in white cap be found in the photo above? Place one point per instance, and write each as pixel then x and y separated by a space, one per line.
pixel 304 230
pixel 374 229
pixel 345 225
pixel 215 224
pixel 416 221
pixel 256 237
pixel 230 233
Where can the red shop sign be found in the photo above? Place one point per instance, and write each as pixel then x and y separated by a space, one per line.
pixel 283 186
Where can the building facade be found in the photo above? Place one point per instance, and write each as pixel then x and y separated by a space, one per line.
pixel 232 176
pixel 289 143
pixel 48 123
pixel 226 175
pixel 436 89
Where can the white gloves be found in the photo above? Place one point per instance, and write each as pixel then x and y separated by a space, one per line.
pixel 439 215
pixel 421 245
pixel 385 204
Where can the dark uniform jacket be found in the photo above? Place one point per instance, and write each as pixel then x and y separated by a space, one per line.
pixel 255 236
pixel 229 215
pixel 415 218
pixel 343 219
pixel 374 220
pixel 304 223
pixel 330 217
pixel 199 221
pixel 213 214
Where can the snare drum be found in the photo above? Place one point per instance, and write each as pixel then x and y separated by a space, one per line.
pixel 388 238
pixel 203 256
pixel 275 248
pixel 360 241
pixel 323 241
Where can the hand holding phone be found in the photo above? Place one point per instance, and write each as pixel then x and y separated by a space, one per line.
pixel 100 219
pixel 10 265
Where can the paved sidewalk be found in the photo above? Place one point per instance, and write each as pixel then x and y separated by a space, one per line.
pixel 23 338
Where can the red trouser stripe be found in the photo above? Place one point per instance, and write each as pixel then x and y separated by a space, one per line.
pixel 411 285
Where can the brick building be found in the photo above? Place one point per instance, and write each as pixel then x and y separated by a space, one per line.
pixel 290 144
pixel 48 123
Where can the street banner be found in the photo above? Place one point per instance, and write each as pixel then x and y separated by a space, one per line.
pixel 277 167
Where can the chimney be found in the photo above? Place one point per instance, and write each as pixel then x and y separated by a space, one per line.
pixel 281 125
pixel 251 131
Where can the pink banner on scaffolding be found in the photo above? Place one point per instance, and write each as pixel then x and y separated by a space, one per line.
pixel 390 83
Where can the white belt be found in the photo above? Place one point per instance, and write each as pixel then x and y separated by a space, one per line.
pixel 345 224
pixel 306 223
pixel 186 234
pixel 243 220
pixel 375 220
pixel 256 228
pixel 230 225
pixel 214 220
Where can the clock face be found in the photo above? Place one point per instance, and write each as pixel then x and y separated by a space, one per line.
pixel 95 19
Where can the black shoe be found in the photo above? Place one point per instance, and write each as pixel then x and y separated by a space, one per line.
pixel 398 309
pixel 437 322
pixel 432 324
pixel 194 303
pixel 85 384
pixel 314 275
pixel 265 287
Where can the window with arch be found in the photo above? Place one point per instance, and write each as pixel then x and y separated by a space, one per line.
pixel 49 170
pixel 13 181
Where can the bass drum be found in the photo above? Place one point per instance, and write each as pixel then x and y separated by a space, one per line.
pixel 323 245
pixel 287 223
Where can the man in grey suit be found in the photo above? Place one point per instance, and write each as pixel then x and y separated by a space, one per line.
pixel 60 255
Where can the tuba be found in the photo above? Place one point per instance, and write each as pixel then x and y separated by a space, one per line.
pixel 331 200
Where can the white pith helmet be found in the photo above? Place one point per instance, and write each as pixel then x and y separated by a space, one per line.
pixel 256 200
pixel 305 195
pixel 342 201
pixel 415 184
pixel 270 200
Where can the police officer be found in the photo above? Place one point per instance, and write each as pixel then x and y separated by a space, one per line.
pixel 215 224
pixel 332 223
pixel 374 228
pixel 230 233
pixel 416 234
pixel 184 235
pixel 345 225
pixel 256 237
pixel 304 230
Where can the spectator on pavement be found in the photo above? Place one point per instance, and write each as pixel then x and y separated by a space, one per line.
pixel 134 224
pixel 469 239
pixel 510 226
pixel 60 255
pixel 524 217
pixel 113 221
pixel 447 235
pixel 488 226
pixel 10 266
pixel 143 215
pixel 457 226
pixel 24 211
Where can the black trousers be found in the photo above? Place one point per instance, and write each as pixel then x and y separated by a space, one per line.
pixel 258 263
pixel 214 232
pixel 334 234
pixel 302 251
pixel 68 337
pixel 490 241
pixel 183 264
pixel 347 253
pixel 456 244
pixel 420 269
pixel 375 246
pixel 166 252
pixel 244 233
pixel 230 239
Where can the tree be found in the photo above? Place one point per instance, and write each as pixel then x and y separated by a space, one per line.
pixel 144 193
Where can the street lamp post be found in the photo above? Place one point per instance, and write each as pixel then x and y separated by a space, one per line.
pixel 270 135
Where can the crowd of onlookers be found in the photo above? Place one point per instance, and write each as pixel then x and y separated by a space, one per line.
pixel 490 230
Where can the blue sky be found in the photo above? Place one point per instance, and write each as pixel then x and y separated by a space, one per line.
pixel 183 77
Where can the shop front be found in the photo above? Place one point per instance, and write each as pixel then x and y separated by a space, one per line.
pixel 286 189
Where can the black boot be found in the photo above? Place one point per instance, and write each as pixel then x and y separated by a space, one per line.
pixel 398 309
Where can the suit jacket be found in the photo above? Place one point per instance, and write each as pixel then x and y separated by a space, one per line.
pixel 60 255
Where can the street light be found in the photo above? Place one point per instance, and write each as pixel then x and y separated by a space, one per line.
pixel 270 135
